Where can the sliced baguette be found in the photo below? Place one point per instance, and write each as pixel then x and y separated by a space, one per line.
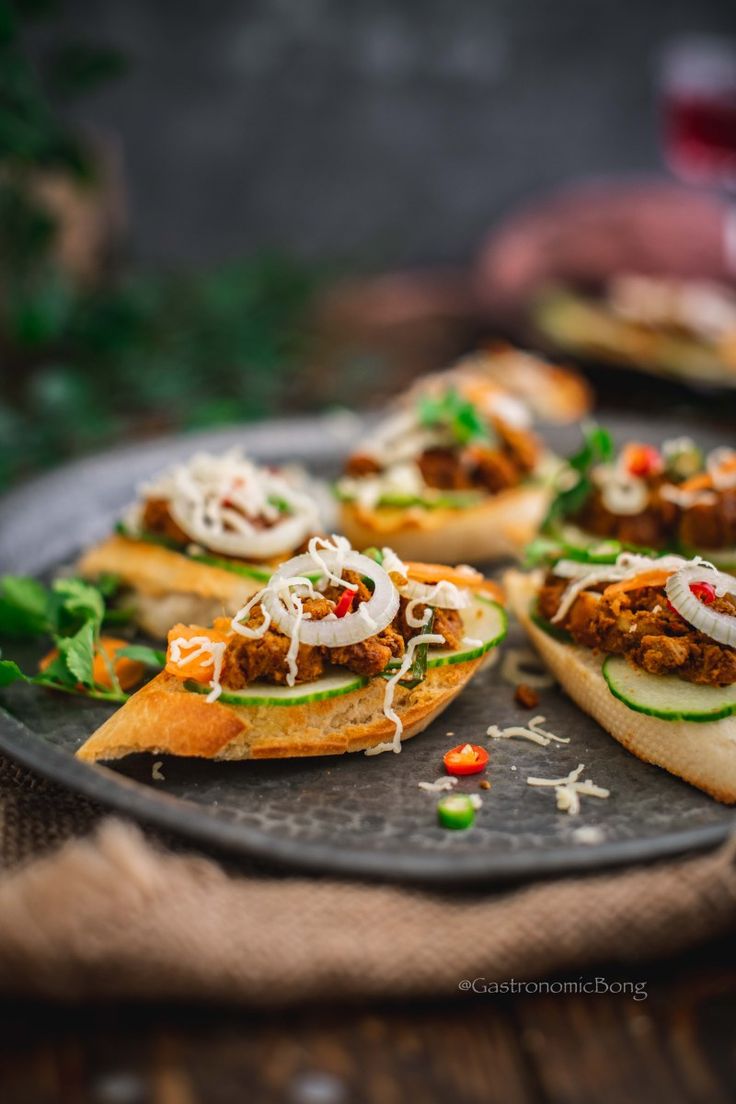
pixel 167 587
pixel 500 526
pixel 166 719
pixel 703 754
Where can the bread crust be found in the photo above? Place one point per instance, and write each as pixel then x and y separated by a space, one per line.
pixel 153 569
pixel 702 754
pixel 164 718
pixel 499 526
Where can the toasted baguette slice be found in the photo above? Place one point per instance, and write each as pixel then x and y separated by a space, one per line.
pixel 166 719
pixel 166 586
pixel 499 526
pixel 703 754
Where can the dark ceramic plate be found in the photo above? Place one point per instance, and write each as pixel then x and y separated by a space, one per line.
pixel 351 814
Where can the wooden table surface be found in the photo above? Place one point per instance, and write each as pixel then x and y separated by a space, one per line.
pixel 678 1045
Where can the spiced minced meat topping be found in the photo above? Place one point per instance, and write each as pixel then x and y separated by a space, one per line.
pixel 481 467
pixel 710 523
pixel 641 625
pixel 246 660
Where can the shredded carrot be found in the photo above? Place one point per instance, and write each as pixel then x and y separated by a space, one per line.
pixel 701 482
pixel 657 577
pixel 199 669
pixel 435 573
pixel 704 480
pixel 128 671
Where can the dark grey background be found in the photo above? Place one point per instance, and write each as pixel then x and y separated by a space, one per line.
pixel 372 131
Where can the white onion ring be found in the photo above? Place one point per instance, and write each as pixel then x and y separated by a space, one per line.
pixel 718 626
pixel 212 498
pixel 370 618
pixel 624 495
pixel 245 540
pixel 443 594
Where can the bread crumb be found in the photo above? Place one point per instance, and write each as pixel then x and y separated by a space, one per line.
pixel 526 696
pixel 484 784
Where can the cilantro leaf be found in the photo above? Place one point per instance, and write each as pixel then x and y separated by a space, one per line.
pixel 78 653
pixel 10 672
pixel 74 603
pixel 456 414
pixel 597 449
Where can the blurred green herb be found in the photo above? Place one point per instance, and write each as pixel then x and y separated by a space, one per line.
pixel 71 612
pixel 456 414
pixel 597 449
pixel 136 354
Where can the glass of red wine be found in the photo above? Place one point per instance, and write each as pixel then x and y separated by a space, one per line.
pixel 699 118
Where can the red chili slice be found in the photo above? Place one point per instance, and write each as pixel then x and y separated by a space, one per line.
pixel 345 602
pixel 643 460
pixel 466 759
pixel 704 592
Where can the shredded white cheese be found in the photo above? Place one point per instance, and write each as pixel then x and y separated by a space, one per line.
pixel 531 731
pixel 156 772
pixel 568 790
pixel 411 618
pixel 221 502
pixel 440 785
pixel 210 653
pixel 388 697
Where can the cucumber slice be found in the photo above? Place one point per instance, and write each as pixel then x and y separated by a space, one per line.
pixel 331 686
pixel 666 696
pixel 250 570
pixel 453 500
pixel 485 620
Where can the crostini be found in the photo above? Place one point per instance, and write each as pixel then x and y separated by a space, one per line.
pixel 455 473
pixel 339 651
pixel 668 498
pixel 203 536
pixel 647 647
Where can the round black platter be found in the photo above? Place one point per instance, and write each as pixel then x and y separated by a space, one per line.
pixel 347 815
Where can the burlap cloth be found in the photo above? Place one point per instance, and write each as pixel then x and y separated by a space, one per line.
pixel 92 908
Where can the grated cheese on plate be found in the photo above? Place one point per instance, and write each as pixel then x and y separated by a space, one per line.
pixel 568 790
pixel 530 731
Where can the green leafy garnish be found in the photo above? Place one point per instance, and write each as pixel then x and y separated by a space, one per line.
pixel 418 670
pixel 71 612
pixel 141 653
pixel 456 414
pixel 374 554
pixel 24 607
pixel 597 449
